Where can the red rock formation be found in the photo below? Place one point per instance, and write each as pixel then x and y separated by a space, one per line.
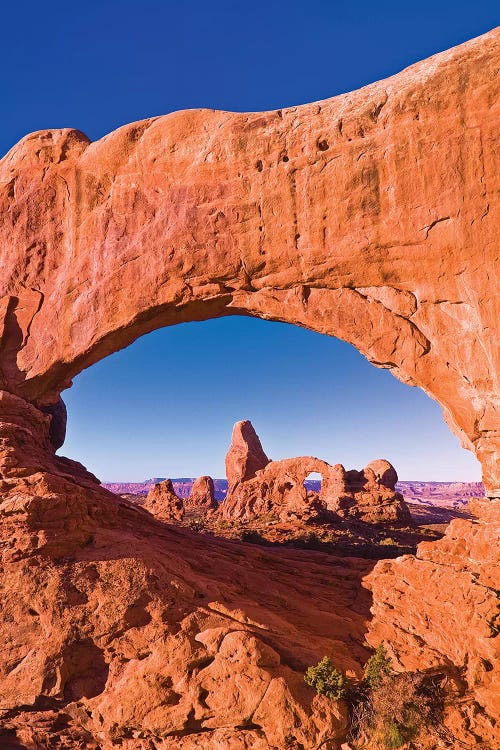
pixel 367 495
pixel 277 487
pixel 117 629
pixel 202 494
pixel 439 611
pixel 163 503
pixel 245 455
pixel 372 217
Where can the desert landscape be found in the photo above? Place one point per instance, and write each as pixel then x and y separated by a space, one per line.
pixel 263 611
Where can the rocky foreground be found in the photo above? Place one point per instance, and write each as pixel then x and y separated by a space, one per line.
pixel 122 630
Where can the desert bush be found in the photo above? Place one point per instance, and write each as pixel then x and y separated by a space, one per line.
pixel 387 710
pixel 399 708
pixel 377 666
pixel 326 679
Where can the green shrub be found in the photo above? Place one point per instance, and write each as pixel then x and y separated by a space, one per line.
pixel 377 666
pixel 327 680
pixel 392 736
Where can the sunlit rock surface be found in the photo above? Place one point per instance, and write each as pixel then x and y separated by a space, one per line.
pixel 373 217
pixel 202 495
pixel 259 487
pixel 163 503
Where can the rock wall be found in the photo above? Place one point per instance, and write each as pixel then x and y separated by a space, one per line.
pixel 439 612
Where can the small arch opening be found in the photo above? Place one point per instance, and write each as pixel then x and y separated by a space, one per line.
pixel 313 482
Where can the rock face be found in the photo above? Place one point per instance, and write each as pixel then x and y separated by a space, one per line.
pixel 439 611
pixel 369 495
pixel 245 455
pixel 371 216
pixel 162 502
pixel 116 631
pixel 202 494
pixel 258 487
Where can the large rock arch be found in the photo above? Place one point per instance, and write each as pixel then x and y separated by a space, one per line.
pixel 370 216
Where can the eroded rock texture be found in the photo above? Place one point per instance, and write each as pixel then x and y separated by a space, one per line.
pixel 117 629
pixel 259 487
pixel 163 503
pixel 439 611
pixel 202 495
pixel 371 216
pixel 245 456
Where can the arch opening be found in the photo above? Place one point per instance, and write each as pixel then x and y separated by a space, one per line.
pixel 307 394
pixel 313 482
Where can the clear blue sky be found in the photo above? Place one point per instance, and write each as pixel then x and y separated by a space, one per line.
pixel 165 405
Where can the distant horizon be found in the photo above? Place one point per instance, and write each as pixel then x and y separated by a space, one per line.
pixel 224 479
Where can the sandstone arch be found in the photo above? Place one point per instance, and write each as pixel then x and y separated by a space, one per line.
pixel 321 215
pixel 370 216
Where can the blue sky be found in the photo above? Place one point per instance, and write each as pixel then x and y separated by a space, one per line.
pixel 165 405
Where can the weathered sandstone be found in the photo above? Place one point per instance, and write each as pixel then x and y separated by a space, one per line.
pixel 202 494
pixel 245 455
pixel 118 629
pixel 163 503
pixel 372 216
pixel 258 487
pixel 439 611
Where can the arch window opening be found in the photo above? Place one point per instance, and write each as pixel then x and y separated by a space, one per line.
pixel 313 481
pixel 163 409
